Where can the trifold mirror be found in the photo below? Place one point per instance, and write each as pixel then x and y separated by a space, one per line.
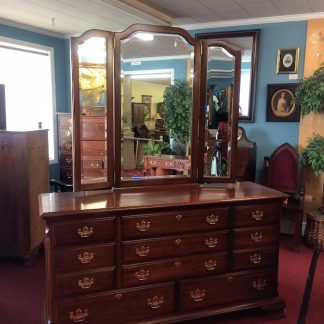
pixel 149 109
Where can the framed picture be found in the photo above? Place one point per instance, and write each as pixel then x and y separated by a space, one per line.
pixel 287 60
pixel 146 99
pixel 281 106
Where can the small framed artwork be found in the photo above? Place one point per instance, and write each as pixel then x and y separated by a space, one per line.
pixel 146 99
pixel 281 105
pixel 287 60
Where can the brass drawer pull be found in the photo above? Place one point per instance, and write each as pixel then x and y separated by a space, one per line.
pixel 79 315
pixel 143 226
pixel 69 121
pixel 86 257
pixel 68 160
pixel 119 296
pixel 177 264
pixel 178 241
pixel 210 265
pixel 255 258
pixel 257 215
pixel 211 242
pixel 85 231
pixel 256 237
pixel 259 284
pixel 68 145
pixel 198 295
pixel 67 133
pixel 179 217
pixel 212 219
pixel 155 302
pixel 142 274
pixel 86 283
pixel 143 251
pixel 230 279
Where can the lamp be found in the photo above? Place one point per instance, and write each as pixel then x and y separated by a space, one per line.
pixel 158 121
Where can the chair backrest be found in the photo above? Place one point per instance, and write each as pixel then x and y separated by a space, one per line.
pixel 284 173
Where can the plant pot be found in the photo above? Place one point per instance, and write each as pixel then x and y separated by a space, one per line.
pixel 314 233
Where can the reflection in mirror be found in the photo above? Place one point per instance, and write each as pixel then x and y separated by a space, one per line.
pixel 152 63
pixel 93 109
pixel 219 99
pixel 248 42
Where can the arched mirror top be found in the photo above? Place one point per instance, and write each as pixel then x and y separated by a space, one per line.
pixel 156 95
pixel 248 42
pixel 220 88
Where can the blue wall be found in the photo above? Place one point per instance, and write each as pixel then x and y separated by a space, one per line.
pixel 62 68
pixel 269 135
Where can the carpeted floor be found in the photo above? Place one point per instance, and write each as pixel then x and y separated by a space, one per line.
pixel 22 291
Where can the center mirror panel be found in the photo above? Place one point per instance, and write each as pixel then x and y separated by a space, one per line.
pixel 220 93
pixel 154 93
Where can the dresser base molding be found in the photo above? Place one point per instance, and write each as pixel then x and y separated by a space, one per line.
pixel 274 308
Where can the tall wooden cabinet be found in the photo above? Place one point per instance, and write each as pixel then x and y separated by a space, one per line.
pixel 24 175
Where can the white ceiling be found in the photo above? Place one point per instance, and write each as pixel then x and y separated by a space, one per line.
pixel 64 18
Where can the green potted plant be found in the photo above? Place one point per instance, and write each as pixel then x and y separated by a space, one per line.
pixel 310 93
pixel 313 156
pixel 177 104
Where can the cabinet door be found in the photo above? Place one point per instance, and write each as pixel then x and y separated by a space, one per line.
pixel 92 57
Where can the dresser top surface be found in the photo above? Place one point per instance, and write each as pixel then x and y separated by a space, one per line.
pixel 56 204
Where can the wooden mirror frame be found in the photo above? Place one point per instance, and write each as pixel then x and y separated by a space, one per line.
pixel 233 116
pixel 195 108
pixel 255 34
pixel 76 112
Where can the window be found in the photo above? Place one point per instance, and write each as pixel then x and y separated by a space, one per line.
pixel 27 70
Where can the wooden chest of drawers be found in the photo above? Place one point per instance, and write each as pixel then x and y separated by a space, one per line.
pixel 162 263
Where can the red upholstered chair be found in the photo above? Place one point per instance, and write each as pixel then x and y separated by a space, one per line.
pixel 285 174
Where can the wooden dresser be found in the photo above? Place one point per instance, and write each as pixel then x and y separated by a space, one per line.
pixel 93 146
pixel 23 176
pixel 161 255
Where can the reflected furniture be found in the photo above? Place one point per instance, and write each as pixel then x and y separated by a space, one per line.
pixel 24 175
pixel 284 174
pixel 64 121
pixel 165 255
pixel 153 164
pixel 246 157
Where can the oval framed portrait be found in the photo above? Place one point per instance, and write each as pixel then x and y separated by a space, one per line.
pixel 281 103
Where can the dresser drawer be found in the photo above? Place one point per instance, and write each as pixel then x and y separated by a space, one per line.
pixel 174 269
pixel 66 175
pixel 230 288
pixel 85 257
pixel 93 164
pixel 65 134
pixel 84 231
pixel 93 148
pixel 254 259
pixel 175 246
pixel 65 120
pixel 85 282
pixel 118 307
pixel 93 128
pixel 255 237
pixel 66 146
pixel 66 160
pixel 255 215
pixel 174 222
